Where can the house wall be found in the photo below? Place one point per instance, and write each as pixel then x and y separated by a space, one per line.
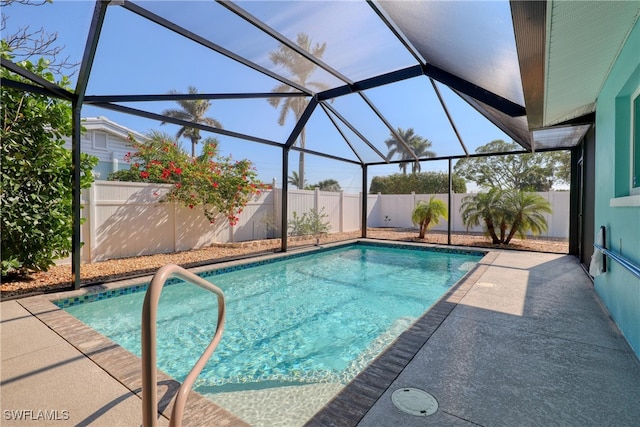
pixel 614 208
pixel 108 142
pixel 110 156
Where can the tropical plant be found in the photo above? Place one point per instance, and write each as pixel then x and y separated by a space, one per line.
pixel 427 214
pixel 484 208
pixel 526 172
pixel 192 110
pixel 311 222
pixel 525 213
pixel 419 145
pixel 506 213
pixel 294 179
pixel 36 170
pixel 219 184
pixel 301 70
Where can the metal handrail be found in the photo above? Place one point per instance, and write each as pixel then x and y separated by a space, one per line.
pixel 634 269
pixel 149 311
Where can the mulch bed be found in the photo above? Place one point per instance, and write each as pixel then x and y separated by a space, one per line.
pixel 59 277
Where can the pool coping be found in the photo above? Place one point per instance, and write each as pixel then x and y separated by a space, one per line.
pixel 347 408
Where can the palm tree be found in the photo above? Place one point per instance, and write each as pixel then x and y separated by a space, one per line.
pixel 514 211
pixel 526 213
pixel 419 145
pixel 428 213
pixel 484 208
pixel 294 179
pixel 193 110
pixel 300 69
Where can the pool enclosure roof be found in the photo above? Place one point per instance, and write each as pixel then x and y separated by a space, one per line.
pixel 360 68
pixel 355 67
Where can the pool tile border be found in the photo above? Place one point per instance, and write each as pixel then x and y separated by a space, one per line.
pixel 346 409
pixel 98 293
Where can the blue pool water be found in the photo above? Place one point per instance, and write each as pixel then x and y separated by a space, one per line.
pixel 308 319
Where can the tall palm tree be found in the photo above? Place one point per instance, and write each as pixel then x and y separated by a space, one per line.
pixel 418 144
pixel 193 110
pixel 301 70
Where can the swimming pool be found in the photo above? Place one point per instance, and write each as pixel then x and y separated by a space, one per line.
pixel 312 319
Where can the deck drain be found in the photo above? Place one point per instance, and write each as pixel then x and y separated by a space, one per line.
pixel 414 401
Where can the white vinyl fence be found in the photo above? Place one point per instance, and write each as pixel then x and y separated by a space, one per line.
pixel 394 210
pixel 129 219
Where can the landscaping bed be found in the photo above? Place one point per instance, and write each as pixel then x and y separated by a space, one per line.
pixel 59 277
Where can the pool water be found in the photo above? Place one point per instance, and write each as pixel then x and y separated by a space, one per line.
pixel 318 318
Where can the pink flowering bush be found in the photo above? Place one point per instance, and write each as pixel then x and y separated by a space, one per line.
pixel 221 185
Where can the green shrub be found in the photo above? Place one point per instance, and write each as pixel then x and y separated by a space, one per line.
pixel 36 169
pixel 310 223
pixel 220 185
pixel 419 183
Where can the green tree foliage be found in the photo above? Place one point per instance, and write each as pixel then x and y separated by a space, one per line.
pixel 36 187
pixel 561 166
pixel 219 184
pixel 506 213
pixel 419 145
pixel 427 214
pixel 29 43
pixel 419 183
pixel 192 110
pixel 527 172
pixel 325 185
pixel 300 70
pixel 310 223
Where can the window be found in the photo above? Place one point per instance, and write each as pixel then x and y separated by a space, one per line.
pixel 635 142
pixel 626 172
pixel 100 140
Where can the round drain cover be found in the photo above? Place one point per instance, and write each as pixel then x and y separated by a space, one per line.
pixel 414 401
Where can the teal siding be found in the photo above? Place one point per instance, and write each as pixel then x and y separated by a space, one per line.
pixel 618 288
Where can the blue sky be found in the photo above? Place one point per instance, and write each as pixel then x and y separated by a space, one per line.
pixel 135 56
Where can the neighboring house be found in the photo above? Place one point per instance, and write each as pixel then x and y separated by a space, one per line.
pixel 108 141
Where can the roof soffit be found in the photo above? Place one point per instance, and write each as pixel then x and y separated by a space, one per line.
pixel 583 42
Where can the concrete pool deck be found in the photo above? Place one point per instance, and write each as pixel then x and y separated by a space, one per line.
pixel 523 340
